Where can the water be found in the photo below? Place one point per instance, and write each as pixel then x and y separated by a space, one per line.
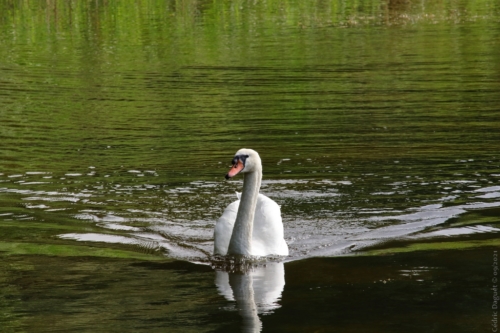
pixel 377 125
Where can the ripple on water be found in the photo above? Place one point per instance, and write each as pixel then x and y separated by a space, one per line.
pixel 179 220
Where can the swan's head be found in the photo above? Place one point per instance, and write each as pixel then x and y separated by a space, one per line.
pixel 245 160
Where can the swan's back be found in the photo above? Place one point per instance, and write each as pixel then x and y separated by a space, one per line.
pixel 267 237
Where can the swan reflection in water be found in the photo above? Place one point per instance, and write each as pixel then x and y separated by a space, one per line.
pixel 256 291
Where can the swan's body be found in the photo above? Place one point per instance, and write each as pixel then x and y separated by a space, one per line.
pixel 267 236
pixel 251 225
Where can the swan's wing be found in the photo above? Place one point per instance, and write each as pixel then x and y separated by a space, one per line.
pixel 268 229
pixel 224 228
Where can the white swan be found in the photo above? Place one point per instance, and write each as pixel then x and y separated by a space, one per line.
pixel 252 225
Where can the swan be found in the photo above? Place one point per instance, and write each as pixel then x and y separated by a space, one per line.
pixel 250 226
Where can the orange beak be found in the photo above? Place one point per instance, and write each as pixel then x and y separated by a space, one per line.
pixel 236 169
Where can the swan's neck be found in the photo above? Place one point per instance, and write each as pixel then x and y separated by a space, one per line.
pixel 241 239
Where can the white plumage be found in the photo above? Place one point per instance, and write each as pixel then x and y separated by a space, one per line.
pixel 267 236
pixel 251 225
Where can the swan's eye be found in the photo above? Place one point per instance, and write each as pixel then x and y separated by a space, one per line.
pixel 243 158
pixel 240 158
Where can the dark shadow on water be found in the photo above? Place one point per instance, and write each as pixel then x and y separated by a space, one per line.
pixel 178 265
pixel 442 291
pixel 423 291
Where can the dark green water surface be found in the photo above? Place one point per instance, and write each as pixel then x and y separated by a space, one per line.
pixel 378 123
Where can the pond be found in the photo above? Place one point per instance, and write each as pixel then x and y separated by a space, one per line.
pixel 378 127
